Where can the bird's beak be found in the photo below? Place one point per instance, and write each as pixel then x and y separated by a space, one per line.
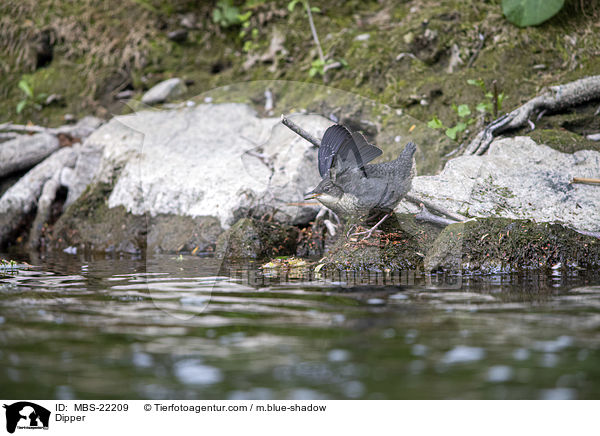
pixel 311 195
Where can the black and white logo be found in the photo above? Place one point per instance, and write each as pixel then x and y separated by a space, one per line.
pixel 26 415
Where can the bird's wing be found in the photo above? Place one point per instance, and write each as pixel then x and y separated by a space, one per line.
pixel 343 149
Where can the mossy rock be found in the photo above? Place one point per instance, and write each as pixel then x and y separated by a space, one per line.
pixel 401 245
pixel 496 245
pixel 250 238
pixel 91 225
pixel 563 140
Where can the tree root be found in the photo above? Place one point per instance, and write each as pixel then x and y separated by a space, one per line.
pixel 556 98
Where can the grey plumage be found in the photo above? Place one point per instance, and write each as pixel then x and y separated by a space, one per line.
pixel 351 188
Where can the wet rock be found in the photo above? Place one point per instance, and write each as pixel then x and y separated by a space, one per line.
pixel 91 225
pixel 494 245
pixel 402 244
pixel 188 174
pixel 252 238
pixel 206 161
pixel 172 233
pixel 164 91
pixel 25 151
pixel 517 179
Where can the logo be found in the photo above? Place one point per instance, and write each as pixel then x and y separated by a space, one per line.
pixel 26 415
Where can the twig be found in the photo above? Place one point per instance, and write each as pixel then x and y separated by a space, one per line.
pixel 300 131
pixel 314 31
pixel 454 216
pixel 586 180
pixel 29 129
pixel 425 215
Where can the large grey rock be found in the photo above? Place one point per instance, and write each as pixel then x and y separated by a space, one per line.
pixel 163 91
pixel 208 161
pixel 25 151
pixel 517 178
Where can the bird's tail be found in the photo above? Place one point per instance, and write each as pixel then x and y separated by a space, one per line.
pixel 409 150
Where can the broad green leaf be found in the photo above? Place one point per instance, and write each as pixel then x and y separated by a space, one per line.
pixel 21 105
pixel 435 123
pixel 451 133
pixel 26 88
pixel 292 5
pixel 530 12
pixel 460 126
pixel 463 110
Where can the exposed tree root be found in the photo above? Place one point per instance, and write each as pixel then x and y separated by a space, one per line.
pixel 556 98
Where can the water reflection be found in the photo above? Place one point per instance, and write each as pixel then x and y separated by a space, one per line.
pixel 189 327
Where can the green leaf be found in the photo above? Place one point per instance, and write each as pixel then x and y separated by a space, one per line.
pixel 217 16
pixel 244 17
pixel 292 5
pixel 460 126
pixel 500 100
pixel 312 72
pixel 26 88
pixel 484 106
pixel 451 133
pixel 530 12
pixel 315 9
pixel 21 105
pixel 477 82
pixel 435 123
pixel 463 110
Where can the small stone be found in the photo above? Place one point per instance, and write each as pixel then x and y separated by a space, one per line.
pixel 164 91
pixel 179 35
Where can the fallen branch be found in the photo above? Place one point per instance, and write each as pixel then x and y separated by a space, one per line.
pixel 586 180
pixel 29 128
pixel 455 217
pixel 300 131
pixel 556 98
pixel 425 215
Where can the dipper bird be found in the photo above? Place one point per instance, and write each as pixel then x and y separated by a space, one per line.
pixel 353 189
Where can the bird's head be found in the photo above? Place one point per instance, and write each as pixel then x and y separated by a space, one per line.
pixel 327 192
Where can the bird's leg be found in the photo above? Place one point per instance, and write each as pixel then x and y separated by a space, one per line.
pixel 331 228
pixel 372 229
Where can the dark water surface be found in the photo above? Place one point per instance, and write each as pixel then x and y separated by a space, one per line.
pixel 182 327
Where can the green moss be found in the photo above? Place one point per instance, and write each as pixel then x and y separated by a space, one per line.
pixel 494 245
pixel 401 245
pixel 563 140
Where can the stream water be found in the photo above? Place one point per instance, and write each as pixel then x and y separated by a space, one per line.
pixel 77 327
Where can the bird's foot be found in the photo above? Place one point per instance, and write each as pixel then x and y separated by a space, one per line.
pixel 369 232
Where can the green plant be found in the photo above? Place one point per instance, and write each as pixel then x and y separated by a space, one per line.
pixel 318 66
pixel 530 12
pixel 462 112
pixel 491 104
pixel 30 99
pixel 225 14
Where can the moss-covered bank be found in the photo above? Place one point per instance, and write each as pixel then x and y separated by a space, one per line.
pixel 494 245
